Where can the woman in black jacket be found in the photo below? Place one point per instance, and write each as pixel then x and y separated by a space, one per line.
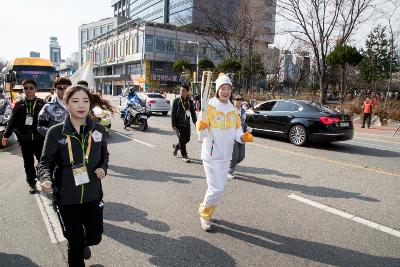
pixel 77 151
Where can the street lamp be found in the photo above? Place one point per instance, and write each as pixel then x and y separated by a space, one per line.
pixel 197 58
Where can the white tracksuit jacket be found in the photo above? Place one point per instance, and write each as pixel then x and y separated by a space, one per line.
pixel 218 140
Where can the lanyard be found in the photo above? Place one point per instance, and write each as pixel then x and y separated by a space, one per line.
pixel 71 157
pixel 31 109
pixel 184 105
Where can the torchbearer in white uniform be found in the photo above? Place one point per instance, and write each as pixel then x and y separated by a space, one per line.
pixel 218 129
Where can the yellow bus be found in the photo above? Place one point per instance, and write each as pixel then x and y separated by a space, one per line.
pixel 19 69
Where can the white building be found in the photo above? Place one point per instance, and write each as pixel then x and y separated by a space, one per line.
pixel 143 54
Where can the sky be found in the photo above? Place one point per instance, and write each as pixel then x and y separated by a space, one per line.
pixel 358 36
pixel 27 25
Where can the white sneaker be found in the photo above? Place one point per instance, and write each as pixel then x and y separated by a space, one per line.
pixel 205 224
pixel 231 176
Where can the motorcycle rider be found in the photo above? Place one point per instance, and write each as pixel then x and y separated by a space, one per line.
pixel 23 122
pixel 55 111
pixel 131 98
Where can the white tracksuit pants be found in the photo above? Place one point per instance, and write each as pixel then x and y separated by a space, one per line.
pixel 216 175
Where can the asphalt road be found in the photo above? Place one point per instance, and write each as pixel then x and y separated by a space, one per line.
pixel 289 206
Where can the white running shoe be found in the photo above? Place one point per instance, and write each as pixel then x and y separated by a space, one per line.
pixel 205 224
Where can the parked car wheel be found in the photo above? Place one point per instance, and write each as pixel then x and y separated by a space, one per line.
pixel 165 113
pixel 298 135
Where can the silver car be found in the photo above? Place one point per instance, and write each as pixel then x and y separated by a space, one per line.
pixel 155 102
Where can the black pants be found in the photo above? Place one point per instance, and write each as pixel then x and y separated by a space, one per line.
pixel 83 226
pixel 31 150
pixel 183 134
pixel 367 116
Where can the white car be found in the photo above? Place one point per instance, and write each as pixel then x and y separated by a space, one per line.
pixel 155 102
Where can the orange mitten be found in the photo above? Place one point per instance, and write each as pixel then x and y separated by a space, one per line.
pixel 201 125
pixel 247 137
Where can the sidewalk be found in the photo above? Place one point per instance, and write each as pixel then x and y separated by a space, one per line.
pixel 377 130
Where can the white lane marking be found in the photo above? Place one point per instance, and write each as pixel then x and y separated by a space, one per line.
pixel 133 139
pixel 346 215
pixel 50 218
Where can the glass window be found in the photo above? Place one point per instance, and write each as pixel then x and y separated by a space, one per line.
pixel 90 34
pixel 97 31
pixel 284 106
pixel 132 45
pixel 160 43
pixel 137 43
pixel 297 107
pixel 267 106
pixel 155 96
pixel 149 42
pixel 320 108
pixel 84 36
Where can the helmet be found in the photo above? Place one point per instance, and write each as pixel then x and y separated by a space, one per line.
pixel 132 90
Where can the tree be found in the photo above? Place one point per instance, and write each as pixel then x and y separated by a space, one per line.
pixel 252 69
pixel 390 14
pixel 230 65
pixel 319 22
pixel 340 56
pixel 236 26
pixel 181 65
pixel 378 62
pixel 206 64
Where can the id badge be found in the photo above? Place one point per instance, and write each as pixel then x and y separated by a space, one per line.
pixel 80 175
pixel 29 120
pixel 188 113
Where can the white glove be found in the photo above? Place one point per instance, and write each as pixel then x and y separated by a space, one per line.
pixel 249 129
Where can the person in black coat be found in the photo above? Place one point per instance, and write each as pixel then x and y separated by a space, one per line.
pixel 182 113
pixel 23 123
pixel 77 151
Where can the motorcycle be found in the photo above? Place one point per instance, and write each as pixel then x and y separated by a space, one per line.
pixel 103 117
pixel 136 115
pixel 4 118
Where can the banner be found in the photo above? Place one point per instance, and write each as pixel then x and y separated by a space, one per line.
pixel 84 73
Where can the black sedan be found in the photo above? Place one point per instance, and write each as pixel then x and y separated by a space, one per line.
pixel 301 121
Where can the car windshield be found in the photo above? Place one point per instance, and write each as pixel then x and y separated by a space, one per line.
pixel 154 96
pixel 321 108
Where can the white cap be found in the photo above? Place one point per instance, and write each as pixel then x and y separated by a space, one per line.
pixel 223 79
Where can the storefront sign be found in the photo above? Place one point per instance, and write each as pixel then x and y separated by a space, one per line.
pixel 164 77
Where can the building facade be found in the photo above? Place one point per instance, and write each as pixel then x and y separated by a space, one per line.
pixel 144 55
pixel 55 52
pixel 189 12
pixel 92 30
pixel 158 11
